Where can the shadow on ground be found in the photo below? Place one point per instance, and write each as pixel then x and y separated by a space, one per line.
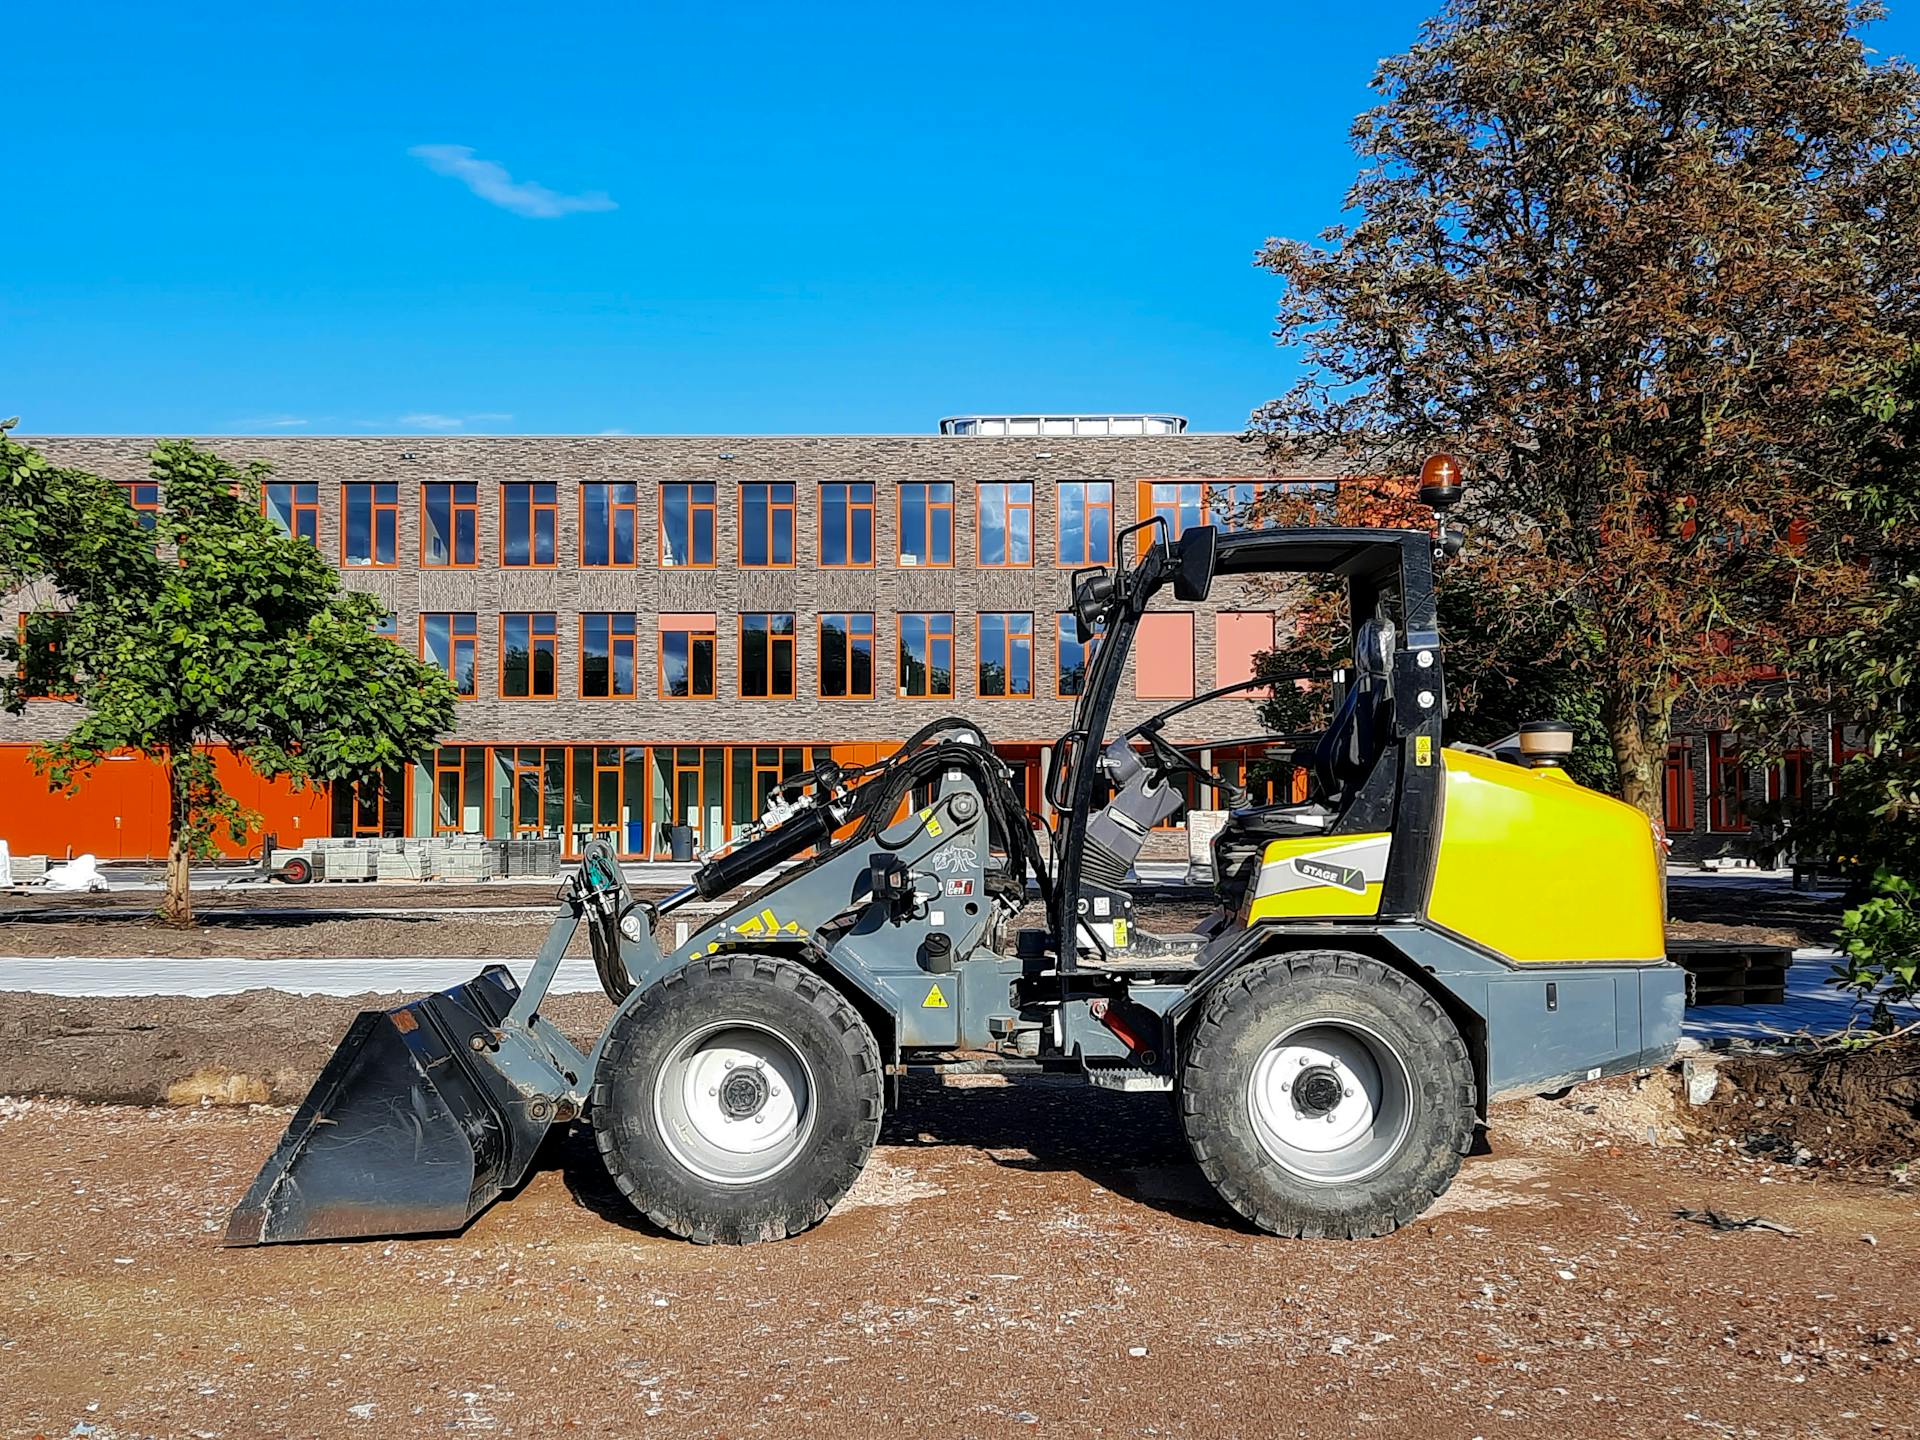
pixel 1130 1145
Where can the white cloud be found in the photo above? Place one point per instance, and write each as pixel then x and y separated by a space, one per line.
pixel 432 420
pixel 490 181
pixel 272 422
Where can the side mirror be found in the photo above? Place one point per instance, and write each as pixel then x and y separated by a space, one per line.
pixel 1092 595
pixel 1194 578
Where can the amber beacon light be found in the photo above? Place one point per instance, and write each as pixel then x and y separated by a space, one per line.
pixel 1440 483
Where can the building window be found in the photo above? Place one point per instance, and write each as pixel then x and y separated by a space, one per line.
pixel 766 525
pixel 42 666
pixel 1790 779
pixel 686 526
pixel 529 519
pixel 1181 503
pixel 529 656
pixel 686 657
pixel 1085 531
pixel 766 657
pixel 144 497
pixel 387 627
pixel 370 808
pixel 1676 794
pixel 1006 525
pixel 370 524
pixel 926 656
pixel 460 790
pixel 1072 658
pixel 447 640
pixel 448 520
pixel 610 526
pixel 294 508
pixel 1231 503
pixel 609 656
pixel 1726 783
pixel 846 525
pixel 846 657
pixel 1005 661
pixel 926 524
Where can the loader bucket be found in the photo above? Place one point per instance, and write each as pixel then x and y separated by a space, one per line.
pixel 411 1128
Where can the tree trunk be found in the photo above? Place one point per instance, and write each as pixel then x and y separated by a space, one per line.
pixel 1640 736
pixel 177 908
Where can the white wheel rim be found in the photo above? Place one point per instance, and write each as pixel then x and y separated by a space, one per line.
pixel 1331 1101
pixel 734 1103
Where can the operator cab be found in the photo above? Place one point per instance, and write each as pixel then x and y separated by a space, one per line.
pixel 1390 687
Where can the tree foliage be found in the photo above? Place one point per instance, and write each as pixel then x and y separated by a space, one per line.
pixel 214 628
pixel 1507 656
pixel 1867 671
pixel 1620 254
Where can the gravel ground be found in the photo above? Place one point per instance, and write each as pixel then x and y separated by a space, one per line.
pixel 1019 1259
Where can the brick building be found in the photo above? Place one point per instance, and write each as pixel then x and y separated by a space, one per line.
pixel 649 630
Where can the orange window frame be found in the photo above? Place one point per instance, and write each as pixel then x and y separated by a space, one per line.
pixel 694 638
pixel 53 647
pixel 1062 633
pixel 543 523
pixel 1016 630
pixel 1726 784
pixel 302 507
pixel 457 768
pixel 776 509
pixel 462 539
pixel 463 637
pixel 607 524
pixel 1676 788
pixel 1089 507
pixel 929 508
pixel 851 632
pixel 696 508
pixel 622 630
pixel 841 511
pixel 144 498
pixel 776 641
pixel 383 523
pixel 936 628
pixel 543 638
pixel 1011 508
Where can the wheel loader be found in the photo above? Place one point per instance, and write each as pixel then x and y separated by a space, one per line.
pixel 1431 927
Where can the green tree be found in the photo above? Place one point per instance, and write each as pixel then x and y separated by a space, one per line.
pixel 1619 254
pixel 214 628
pixel 1866 670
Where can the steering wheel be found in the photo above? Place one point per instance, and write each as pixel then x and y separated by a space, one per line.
pixel 1175 761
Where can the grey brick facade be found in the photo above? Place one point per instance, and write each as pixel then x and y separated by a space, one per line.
pixel 806 591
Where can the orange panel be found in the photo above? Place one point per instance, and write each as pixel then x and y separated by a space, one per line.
pixel 119 811
pixel 1163 656
pixel 1238 637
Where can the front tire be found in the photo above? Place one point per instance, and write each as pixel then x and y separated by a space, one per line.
pixel 1326 1094
pixel 737 1099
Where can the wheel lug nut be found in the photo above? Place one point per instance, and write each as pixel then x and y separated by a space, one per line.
pixel 1349 1094
pixel 760 1119
pixel 713 1089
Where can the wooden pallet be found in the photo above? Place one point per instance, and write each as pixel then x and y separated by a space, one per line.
pixel 1727 972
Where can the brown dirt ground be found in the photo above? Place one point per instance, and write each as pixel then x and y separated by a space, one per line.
pixel 1019 1259
pixel 1839 1108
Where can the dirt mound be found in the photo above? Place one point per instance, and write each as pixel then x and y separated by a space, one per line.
pixel 1859 1107
pixel 254 1047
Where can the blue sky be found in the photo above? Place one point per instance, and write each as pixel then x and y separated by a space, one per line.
pixel 481 217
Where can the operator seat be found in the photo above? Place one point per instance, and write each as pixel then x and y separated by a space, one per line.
pixel 1343 756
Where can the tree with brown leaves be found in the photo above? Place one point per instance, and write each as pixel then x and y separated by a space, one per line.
pixel 1620 254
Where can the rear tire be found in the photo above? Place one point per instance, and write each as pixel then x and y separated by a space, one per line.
pixel 297 871
pixel 1326 1094
pixel 737 1099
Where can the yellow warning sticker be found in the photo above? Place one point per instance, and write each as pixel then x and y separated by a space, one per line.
pixel 1423 750
pixel 935 1000
pixel 1120 934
